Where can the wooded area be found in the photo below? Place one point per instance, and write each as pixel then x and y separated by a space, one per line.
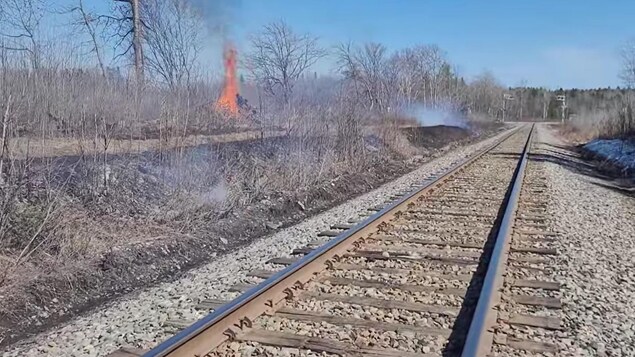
pixel 138 71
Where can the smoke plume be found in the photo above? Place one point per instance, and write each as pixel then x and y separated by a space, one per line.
pixel 218 15
pixel 427 116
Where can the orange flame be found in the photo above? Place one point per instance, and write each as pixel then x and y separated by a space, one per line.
pixel 228 99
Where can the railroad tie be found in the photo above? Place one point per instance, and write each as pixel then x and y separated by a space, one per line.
pixel 314 316
pixel 261 273
pixel 526 345
pixel 282 261
pixel 413 251
pixel 290 340
pixel 531 300
pixel 211 304
pixel 329 233
pixel 382 303
pixel 402 272
pixel 440 243
pixel 431 259
pixel 382 285
pixel 342 226
pixel 128 352
pixel 546 322
pixel 535 284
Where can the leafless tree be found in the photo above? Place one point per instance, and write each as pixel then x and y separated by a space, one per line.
pixel 279 56
pixel 408 70
pixel 20 22
pixel 173 40
pixel 522 86
pixel 421 74
pixel 486 94
pixel 128 31
pixel 4 148
pixel 628 64
pixel 434 63
pixel 89 22
pixel 365 67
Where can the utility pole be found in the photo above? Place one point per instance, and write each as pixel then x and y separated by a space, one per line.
pixel 506 97
pixel 520 115
pixel 563 105
pixel 523 86
pixel 545 100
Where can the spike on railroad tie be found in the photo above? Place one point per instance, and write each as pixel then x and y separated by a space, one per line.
pixel 270 305
pixel 245 321
pixel 269 310
pixel 231 334
pixel 289 293
pixel 298 285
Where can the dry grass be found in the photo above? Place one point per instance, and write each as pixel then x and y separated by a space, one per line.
pixel 24 147
pixel 152 190
pixel 611 122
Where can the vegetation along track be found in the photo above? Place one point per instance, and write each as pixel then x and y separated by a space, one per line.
pixel 459 267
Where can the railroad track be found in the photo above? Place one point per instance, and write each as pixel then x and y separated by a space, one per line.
pixel 459 267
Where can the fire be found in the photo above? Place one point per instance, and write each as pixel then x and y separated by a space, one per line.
pixel 228 99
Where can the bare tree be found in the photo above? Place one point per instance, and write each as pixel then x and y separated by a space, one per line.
pixel 87 21
pixel 522 86
pixel 366 68
pixel 435 64
pixel 4 148
pixel 129 30
pixel 172 39
pixel 409 74
pixel 628 64
pixel 420 74
pixel 486 95
pixel 20 22
pixel 278 57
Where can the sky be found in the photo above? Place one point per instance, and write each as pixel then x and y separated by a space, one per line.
pixel 551 43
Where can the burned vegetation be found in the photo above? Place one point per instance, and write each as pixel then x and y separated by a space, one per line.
pixel 119 175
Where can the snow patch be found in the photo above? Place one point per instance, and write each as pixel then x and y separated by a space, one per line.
pixel 619 151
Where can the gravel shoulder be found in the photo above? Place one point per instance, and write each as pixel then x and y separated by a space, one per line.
pixel 596 247
pixel 137 319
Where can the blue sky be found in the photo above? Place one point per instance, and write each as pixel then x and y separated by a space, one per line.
pixel 551 43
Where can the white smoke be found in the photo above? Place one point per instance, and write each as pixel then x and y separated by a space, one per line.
pixel 217 194
pixel 218 15
pixel 427 116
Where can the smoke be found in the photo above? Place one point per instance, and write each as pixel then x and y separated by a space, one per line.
pixel 218 15
pixel 217 194
pixel 427 116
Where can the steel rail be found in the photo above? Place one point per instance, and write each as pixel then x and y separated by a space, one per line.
pixel 479 338
pixel 210 331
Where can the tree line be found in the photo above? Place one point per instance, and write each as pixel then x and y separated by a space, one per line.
pixel 156 45
pixel 123 67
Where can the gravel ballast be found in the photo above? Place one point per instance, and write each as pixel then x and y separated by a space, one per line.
pixel 595 262
pixel 137 319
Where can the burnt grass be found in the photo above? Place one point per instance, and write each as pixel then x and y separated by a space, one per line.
pixel 434 137
pixel 148 235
